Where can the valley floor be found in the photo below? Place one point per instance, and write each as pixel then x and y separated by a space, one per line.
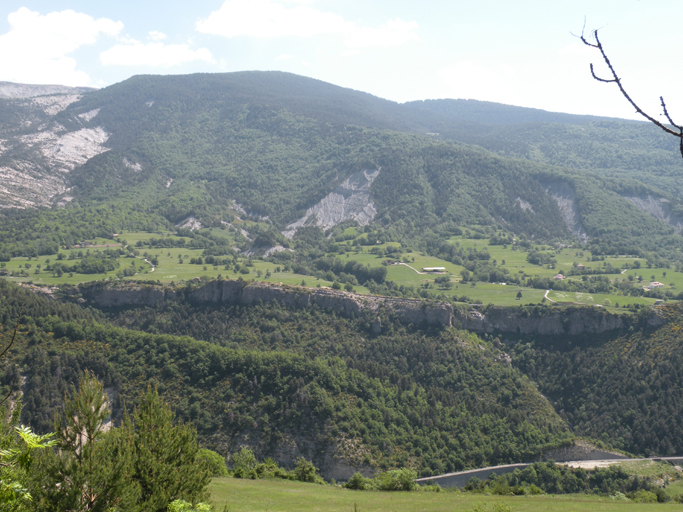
pixel 285 496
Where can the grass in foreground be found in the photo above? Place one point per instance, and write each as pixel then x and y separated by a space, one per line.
pixel 285 496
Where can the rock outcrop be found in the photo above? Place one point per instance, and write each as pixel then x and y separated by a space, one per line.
pixel 350 200
pixel 659 208
pixel 580 450
pixel 565 198
pixel 125 295
pixel 38 153
pixel 543 320
pixel 345 303
pixel 551 321
pixel 121 295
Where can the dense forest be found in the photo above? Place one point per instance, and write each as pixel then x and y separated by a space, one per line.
pixel 461 406
pixel 624 389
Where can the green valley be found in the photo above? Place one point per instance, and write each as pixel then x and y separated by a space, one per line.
pixel 313 276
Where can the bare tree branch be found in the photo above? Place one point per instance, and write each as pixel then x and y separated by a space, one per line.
pixel 677 132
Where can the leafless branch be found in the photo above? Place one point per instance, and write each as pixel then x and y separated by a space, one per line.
pixel 677 132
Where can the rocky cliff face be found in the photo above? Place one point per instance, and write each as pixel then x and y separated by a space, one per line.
pixel 543 320
pixel 125 295
pixel 658 207
pixel 348 304
pixel 337 458
pixel 550 321
pixel 350 200
pixel 249 293
pixel 37 152
pixel 580 450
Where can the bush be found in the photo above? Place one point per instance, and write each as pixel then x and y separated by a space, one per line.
pixel 397 480
pixel 359 483
pixel 305 471
pixel 213 461
pixel 643 496
pixel 184 506
pixel 243 462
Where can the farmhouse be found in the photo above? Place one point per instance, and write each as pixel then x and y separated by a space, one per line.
pixel 655 284
pixel 558 277
pixel 433 269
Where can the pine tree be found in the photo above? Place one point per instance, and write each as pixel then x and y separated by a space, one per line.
pixel 166 465
pixel 93 468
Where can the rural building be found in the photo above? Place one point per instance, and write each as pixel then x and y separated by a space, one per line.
pixel 655 284
pixel 558 276
pixel 433 269
pixel 581 266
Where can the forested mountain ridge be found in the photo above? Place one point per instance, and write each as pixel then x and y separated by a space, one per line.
pixel 173 161
pixel 359 403
pixel 187 146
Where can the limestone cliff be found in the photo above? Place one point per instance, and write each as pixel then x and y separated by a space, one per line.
pixel 551 321
pixel 345 303
pixel 543 320
pixel 106 295
pixel 121 295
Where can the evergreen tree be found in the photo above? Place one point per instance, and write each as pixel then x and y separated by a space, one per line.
pixel 166 465
pixel 92 469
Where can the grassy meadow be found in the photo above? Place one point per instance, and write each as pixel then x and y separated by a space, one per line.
pixel 174 267
pixel 285 496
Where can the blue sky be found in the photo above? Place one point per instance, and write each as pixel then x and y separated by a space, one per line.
pixel 519 53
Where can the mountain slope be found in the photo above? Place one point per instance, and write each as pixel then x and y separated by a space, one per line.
pixel 279 145
pixel 356 404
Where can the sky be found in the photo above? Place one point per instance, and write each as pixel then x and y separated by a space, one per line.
pixel 523 53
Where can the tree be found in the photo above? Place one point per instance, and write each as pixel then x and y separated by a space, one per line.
pixel 17 444
pixel 166 466
pixel 17 447
pixel 677 130
pixel 92 469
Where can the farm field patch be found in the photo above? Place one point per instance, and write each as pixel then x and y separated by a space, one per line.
pixel 284 496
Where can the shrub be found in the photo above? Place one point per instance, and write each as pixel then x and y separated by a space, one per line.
pixel 243 461
pixel 213 461
pixel 397 480
pixel 643 496
pixel 305 471
pixel 359 483
pixel 184 506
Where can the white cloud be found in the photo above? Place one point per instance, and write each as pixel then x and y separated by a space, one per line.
pixel 269 19
pixel 153 54
pixel 156 36
pixel 36 48
pixel 393 33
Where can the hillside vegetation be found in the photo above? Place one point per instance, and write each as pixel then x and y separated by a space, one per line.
pixel 277 144
pixel 370 412
pixel 624 389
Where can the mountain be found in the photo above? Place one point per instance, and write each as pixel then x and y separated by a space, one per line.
pixel 279 145
pixel 342 184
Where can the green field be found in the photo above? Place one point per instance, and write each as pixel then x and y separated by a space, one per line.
pixel 168 270
pixel 285 496
pixel 408 274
